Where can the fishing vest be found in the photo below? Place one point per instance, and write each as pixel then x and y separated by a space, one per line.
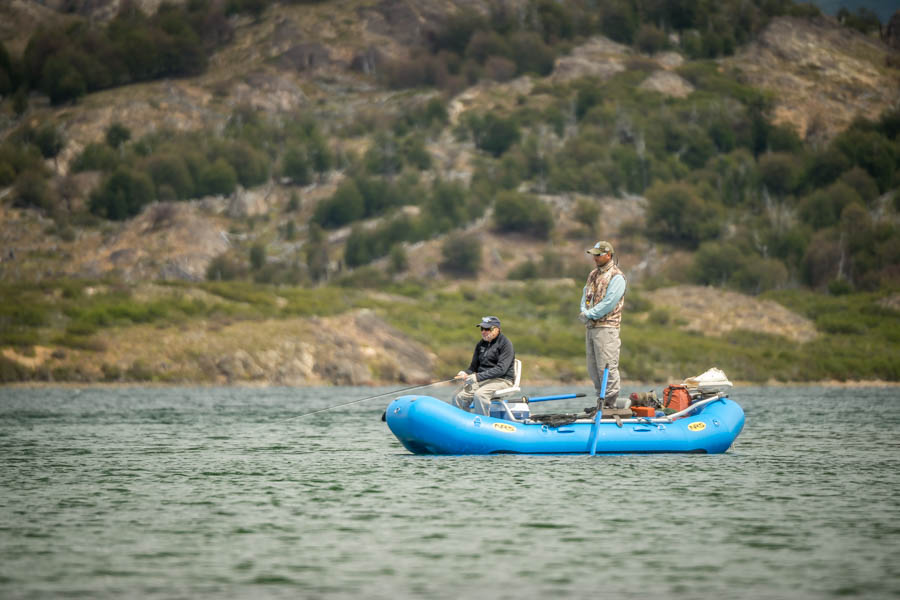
pixel 597 284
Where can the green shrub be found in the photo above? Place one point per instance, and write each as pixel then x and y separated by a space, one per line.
pixel 525 270
pixel 823 254
pixel 295 165
pixel 531 54
pixel 859 180
pixel 864 20
pixel 493 133
pixel 619 22
pixel 760 274
pixel 61 80
pixel 139 371
pixel 650 39
pixel 359 249
pixel 384 157
pixel 23 315
pixel 79 342
pixel 587 97
pixel 345 206
pixel 111 372
pixel 31 190
pixel 117 135
pixel 659 316
pixel 871 151
pixel 316 251
pixel 461 254
pixel 82 328
pixel 823 167
pixel 415 153
pixel 170 170
pixel 365 277
pixel 522 213
pixel 679 213
pixel 457 31
pixel 839 287
pixel 122 194
pixel 364 246
pixel 823 207
pixel 49 140
pixel 735 177
pixel 8 72
pixel 293 202
pixel 218 178
pixel 249 164
pixel 838 324
pixel 587 211
pixel 715 262
pixel 11 371
pixel 779 172
pixel 96 157
pixel 225 268
pixel 637 302
pixel 398 260
pixel 447 206
pixel 783 138
pixel 7 174
pixel 257 257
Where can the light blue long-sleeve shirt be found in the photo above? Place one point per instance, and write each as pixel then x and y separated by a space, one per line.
pixel 614 293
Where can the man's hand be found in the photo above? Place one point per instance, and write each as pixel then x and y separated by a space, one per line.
pixel 461 375
pixel 583 318
pixel 473 378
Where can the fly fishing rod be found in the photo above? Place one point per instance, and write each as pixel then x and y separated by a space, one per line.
pixel 414 387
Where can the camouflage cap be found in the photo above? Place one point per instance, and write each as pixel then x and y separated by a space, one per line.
pixel 601 248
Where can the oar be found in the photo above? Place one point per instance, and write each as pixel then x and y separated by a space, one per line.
pixel 558 397
pixel 413 387
pixel 592 440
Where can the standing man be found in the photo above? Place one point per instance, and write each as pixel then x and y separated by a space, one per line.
pixel 492 368
pixel 601 312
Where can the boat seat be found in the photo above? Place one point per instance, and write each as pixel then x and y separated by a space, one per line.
pixel 500 396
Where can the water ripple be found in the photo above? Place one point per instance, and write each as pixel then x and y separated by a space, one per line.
pixel 182 493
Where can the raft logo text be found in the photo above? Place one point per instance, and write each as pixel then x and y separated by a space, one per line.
pixel 504 427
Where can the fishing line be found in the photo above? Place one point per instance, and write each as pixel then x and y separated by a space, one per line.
pixel 414 387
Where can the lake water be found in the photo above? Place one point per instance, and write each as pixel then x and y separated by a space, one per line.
pixel 218 492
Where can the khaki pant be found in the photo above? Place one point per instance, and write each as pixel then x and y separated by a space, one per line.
pixel 480 393
pixel 602 346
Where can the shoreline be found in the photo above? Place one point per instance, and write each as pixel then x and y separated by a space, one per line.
pixel 828 383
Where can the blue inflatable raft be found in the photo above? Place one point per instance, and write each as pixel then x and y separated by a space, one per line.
pixel 426 425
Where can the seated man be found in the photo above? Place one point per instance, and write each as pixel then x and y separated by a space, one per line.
pixel 492 368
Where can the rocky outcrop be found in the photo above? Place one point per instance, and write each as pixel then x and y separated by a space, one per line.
pixel 716 312
pixel 305 57
pixel 600 57
pixel 822 75
pixel 667 83
pixel 166 241
pixel 357 348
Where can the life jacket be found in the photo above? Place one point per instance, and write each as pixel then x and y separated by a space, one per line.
pixel 597 284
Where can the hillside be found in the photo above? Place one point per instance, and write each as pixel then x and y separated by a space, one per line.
pixel 331 68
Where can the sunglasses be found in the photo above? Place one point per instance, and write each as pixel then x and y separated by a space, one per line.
pixel 486 329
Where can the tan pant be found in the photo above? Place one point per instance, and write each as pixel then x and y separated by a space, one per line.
pixel 602 345
pixel 480 394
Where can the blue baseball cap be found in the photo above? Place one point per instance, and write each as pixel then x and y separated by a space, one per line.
pixel 488 322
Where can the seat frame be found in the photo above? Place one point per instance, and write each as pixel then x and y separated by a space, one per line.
pixel 499 396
